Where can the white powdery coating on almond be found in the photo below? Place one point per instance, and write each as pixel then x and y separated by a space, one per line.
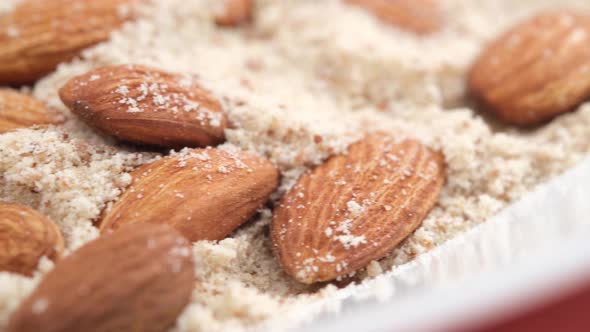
pixel 40 306
pixel 156 97
pixel 354 208
pixel 345 236
pixel 297 96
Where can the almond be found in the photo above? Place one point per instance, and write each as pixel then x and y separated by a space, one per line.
pixel 18 110
pixel 137 279
pixel 205 193
pixel 25 237
pixel 355 208
pixel 418 16
pixel 40 34
pixel 536 70
pixel 235 12
pixel 147 106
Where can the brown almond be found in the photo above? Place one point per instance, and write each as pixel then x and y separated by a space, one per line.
pixel 137 279
pixel 19 110
pixel 40 34
pixel 355 208
pixel 536 70
pixel 205 193
pixel 25 237
pixel 418 16
pixel 235 13
pixel 142 105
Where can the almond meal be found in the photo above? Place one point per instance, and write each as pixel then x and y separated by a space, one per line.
pixel 230 133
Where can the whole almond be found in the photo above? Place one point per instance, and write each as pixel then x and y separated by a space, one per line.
pixel 418 16
pixel 19 110
pixel 235 12
pixel 25 237
pixel 205 193
pixel 137 279
pixel 147 106
pixel 536 70
pixel 355 208
pixel 40 34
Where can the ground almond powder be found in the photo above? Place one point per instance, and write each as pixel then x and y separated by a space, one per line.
pixel 300 84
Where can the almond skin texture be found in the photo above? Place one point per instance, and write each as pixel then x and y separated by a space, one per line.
pixel 40 34
pixel 25 237
pixel 419 16
pixel 137 279
pixel 205 193
pixel 235 13
pixel 18 110
pixel 146 106
pixel 355 208
pixel 535 71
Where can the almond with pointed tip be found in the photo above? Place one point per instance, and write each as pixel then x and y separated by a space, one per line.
pixel 40 34
pixel 19 110
pixel 205 193
pixel 355 208
pixel 143 105
pixel 139 278
pixel 537 70
pixel 25 237
pixel 418 16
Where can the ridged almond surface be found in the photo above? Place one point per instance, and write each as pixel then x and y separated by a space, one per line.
pixel 235 12
pixel 40 34
pixel 137 279
pixel 355 208
pixel 25 237
pixel 418 16
pixel 205 193
pixel 536 70
pixel 147 106
pixel 18 110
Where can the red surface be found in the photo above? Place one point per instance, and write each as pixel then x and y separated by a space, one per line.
pixel 569 313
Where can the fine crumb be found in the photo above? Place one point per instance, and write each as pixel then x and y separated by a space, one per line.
pixel 14 288
pixel 297 89
pixel 40 306
pixel 374 269
pixel 67 179
pixel 7 6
